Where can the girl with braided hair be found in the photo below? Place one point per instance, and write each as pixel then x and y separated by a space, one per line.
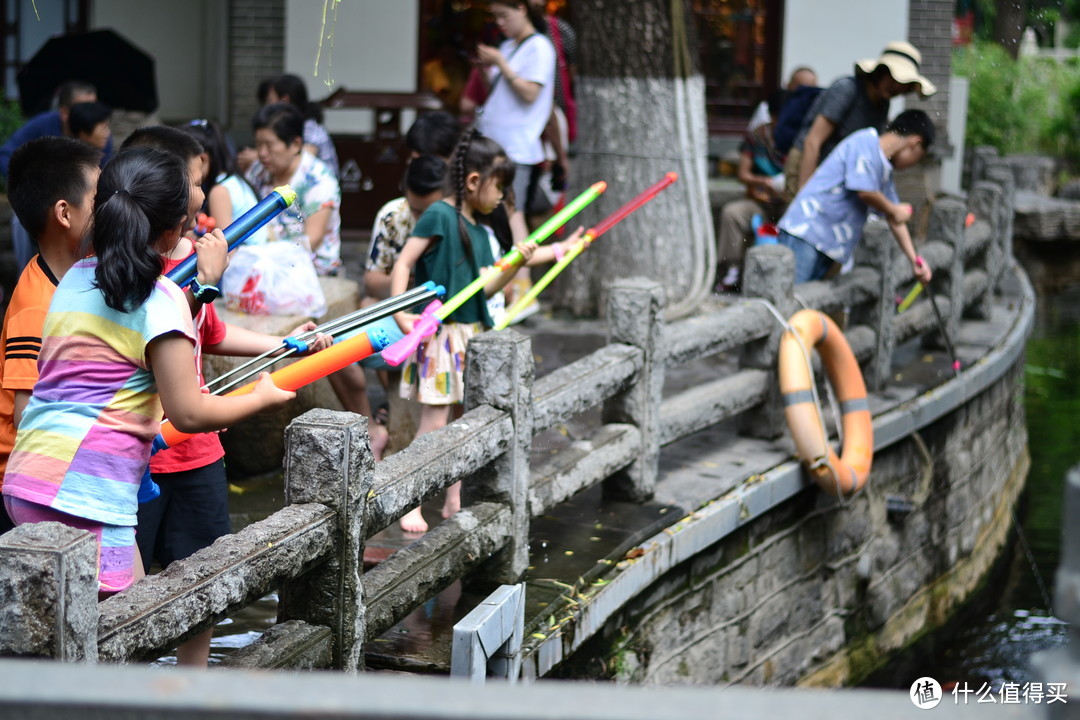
pixel 451 248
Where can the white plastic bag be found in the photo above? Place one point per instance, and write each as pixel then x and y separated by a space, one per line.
pixel 277 278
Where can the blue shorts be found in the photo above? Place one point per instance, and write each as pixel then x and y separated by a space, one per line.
pixel 190 514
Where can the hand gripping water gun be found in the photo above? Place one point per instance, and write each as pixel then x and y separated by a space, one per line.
pixel 433 315
pixel 239 231
pixel 586 239
pixel 359 344
pixel 204 224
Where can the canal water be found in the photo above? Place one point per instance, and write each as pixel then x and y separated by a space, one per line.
pixel 992 639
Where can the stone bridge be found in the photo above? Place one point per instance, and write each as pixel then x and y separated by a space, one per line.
pixel 736 569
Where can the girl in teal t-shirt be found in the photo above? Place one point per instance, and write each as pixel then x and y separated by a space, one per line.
pixel 450 247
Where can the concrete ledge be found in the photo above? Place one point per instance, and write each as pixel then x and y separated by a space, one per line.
pixel 56 691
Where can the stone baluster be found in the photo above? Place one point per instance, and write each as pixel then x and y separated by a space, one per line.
pixel 499 371
pixel 879 251
pixel 635 317
pixel 328 461
pixel 985 200
pixel 768 274
pixel 947 226
pixel 49 593
pixel 1007 182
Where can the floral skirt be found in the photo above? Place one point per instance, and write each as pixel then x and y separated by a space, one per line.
pixel 435 373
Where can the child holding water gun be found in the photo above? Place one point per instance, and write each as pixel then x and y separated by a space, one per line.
pixel 451 248
pixel 117 351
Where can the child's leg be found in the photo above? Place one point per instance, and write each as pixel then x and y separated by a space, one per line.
pixel 432 417
pixel 452 503
pixel 350 386
pixel 196 514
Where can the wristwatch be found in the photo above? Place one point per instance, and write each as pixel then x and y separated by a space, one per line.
pixel 205 294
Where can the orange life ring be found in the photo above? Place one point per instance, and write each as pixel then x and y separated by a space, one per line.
pixel 844 475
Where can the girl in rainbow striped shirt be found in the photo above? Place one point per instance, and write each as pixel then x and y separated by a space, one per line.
pixel 117 350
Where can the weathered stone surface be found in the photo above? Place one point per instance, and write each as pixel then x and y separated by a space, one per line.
pixel 1070 190
pixel 635 317
pixel 768 276
pixel 1044 219
pixel 714 333
pixel 583 384
pixel 1032 173
pixel 256 445
pixel 712 402
pixel 499 372
pixel 782 604
pixel 329 462
pixel 435 461
pixel 290 645
pixel 582 465
pixel 194 593
pixel 48 592
pixel 412 575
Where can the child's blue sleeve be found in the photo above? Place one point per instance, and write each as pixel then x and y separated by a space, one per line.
pixel 148 489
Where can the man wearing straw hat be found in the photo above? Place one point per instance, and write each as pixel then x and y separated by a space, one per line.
pixel 852 103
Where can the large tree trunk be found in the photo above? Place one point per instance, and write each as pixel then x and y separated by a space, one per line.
pixel 1009 21
pixel 641 114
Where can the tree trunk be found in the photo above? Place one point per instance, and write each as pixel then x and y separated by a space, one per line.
pixel 641 103
pixel 1009 21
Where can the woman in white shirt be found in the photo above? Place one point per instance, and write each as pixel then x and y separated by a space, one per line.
pixel 521 74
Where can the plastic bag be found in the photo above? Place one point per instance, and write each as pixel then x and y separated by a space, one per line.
pixel 277 278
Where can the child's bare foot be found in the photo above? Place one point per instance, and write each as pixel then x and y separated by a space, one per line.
pixel 453 500
pixel 413 521
pixel 380 438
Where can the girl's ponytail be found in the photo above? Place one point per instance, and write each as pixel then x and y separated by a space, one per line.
pixel 141 194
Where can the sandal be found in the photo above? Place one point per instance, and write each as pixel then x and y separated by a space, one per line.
pixel 381 416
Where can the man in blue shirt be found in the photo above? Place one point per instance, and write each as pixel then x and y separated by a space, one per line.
pixel 46 124
pixel 825 221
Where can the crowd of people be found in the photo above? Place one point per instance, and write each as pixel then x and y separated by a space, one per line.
pixel 817 161
pixel 99 346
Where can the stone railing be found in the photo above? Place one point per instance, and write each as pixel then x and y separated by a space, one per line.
pixel 337 497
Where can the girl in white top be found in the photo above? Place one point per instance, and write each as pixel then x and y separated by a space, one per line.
pixel 228 194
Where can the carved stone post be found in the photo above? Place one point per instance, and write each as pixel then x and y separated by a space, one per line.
pixel 328 461
pixel 769 274
pixel 1007 182
pixel 499 371
pixel 947 226
pixel 635 317
pixel 878 250
pixel 48 593
pixel 986 200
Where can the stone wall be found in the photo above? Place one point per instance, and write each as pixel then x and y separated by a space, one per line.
pixel 930 30
pixel 820 592
pixel 256 51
